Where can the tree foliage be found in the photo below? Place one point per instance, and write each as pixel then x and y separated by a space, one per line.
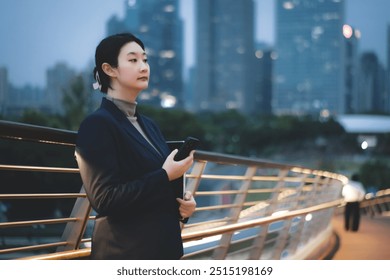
pixel 75 103
pixel 375 173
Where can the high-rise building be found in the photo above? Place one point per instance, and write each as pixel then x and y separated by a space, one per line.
pixel 388 70
pixel 263 79
pixel 24 98
pixel 388 49
pixel 371 85
pixel 309 69
pixel 352 37
pixel 3 89
pixel 59 78
pixel 158 25
pixel 225 58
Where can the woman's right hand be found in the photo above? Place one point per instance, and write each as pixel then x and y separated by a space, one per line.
pixel 176 169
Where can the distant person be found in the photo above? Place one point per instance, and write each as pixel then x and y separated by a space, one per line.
pixel 353 193
pixel 128 171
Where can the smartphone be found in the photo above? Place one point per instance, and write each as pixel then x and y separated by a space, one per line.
pixel 189 144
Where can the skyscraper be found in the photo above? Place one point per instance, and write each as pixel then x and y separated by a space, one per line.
pixel 309 70
pixel 263 79
pixel 3 89
pixel 159 26
pixel 352 37
pixel 58 78
pixel 387 82
pixel 371 85
pixel 224 55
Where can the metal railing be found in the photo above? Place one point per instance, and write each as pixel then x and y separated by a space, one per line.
pixel 246 208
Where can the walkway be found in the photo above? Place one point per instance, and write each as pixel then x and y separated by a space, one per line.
pixel 371 242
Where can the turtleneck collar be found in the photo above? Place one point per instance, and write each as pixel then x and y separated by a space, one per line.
pixel 128 108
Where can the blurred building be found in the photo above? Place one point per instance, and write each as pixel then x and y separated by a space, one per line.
pixel 158 25
pixel 352 37
pixel 263 79
pixel 23 98
pixel 224 76
pixel 58 79
pixel 3 89
pixel 371 95
pixel 15 100
pixel 388 69
pixel 310 65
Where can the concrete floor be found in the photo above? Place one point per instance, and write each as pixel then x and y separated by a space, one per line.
pixel 370 242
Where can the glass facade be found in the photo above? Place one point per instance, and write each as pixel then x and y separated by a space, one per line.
pixel 225 55
pixel 309 69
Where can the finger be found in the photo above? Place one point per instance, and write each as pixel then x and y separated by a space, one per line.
pixel 187 195
pixel 173 153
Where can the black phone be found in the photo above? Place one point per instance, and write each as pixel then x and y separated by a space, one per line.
pixel 190 143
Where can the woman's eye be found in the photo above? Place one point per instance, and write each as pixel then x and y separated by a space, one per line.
pixel 145 60
pixel 133 60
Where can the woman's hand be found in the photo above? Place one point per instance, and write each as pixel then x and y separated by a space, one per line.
pixel 176 169
pixel 187 205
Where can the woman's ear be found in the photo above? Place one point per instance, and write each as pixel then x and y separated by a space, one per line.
pixel 108 70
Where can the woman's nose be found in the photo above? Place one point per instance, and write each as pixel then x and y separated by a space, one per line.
pixel 144 67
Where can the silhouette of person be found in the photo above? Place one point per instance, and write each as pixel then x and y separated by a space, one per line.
pixel 353 193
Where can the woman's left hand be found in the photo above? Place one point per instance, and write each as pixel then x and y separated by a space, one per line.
pixel 187 205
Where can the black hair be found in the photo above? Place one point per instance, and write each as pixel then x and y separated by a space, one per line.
pixel 107 52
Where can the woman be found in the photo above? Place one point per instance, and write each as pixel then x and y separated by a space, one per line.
pixel 126 167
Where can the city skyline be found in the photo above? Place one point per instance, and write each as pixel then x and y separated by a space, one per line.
pixel 50 32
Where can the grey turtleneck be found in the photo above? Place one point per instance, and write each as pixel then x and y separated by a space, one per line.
pixel 129 108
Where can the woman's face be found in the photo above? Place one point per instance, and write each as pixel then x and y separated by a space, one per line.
pixel 133 69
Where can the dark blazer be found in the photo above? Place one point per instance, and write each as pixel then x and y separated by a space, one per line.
pixel 137 211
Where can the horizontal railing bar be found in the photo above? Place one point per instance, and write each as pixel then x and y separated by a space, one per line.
pixel 206 193
pixel 220 177
pixel 66 255
pixel 38 168
pixel 73 254
pixel 36 222
pixel 32 247
pixel 217 207
pixel 238 160
pixel 208 223
pixel 257 222
pixel 254 178
pixel 35 133
pixel 263 190
pixel 252 203
pixel 42 196
pixel 85 240
pixel 198 252
pixel 380 199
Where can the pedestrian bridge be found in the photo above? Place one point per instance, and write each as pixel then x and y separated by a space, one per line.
pixel 247 208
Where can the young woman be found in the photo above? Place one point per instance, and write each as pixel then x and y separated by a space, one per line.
pixel 126 167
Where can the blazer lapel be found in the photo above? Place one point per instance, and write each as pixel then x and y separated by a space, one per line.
pixel 159 144
pixel 131 130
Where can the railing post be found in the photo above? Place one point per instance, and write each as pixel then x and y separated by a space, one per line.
pixel 74 231
pixel 298 235
pixel 192 183
pixel 283 237
pixel 221 252
pixel 259 241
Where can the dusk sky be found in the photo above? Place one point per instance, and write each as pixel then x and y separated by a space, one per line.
pixel 36 34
